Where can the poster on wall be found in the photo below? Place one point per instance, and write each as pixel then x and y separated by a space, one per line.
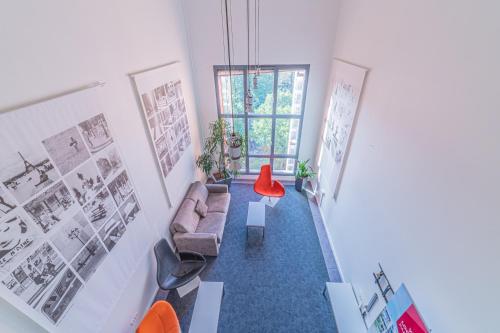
pixel 67 208
pixel 399 316
pixel 160 92
pixel 347 85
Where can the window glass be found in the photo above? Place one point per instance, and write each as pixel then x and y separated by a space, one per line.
pixel 259 136
pixel 286 136
pixel 262 94
pixel 272 129
pixel 224 89
pixel 283 165
pixel 256 162
pixel 290 91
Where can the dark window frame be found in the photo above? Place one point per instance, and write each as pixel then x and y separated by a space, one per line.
pixel 273 116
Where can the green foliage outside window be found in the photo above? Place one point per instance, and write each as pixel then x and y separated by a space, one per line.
pixel 260 129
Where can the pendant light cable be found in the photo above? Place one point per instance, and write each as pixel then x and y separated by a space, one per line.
pixel 229 36
pixel 258 34
pixel 248 35
pixel 248 93
pixel 255 34
pixel 223 30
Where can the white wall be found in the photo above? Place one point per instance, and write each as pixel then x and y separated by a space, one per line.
pixel 420 188
pixel 51 46
pixel 292 32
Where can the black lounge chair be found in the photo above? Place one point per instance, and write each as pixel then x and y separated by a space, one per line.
pixel 172 273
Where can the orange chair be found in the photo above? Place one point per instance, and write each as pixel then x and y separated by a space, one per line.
pixel 161 318
pixel 267 187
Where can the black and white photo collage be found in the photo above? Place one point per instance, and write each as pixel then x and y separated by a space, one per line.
pixel 65 202
pixel 166 116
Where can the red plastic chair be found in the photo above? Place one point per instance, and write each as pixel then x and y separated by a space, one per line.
pixel 264 185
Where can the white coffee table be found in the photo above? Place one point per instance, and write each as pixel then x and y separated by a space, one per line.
pixel 205 317
pixel 256 216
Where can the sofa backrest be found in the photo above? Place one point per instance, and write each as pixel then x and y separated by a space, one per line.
pixel 186 219
pixel 197 191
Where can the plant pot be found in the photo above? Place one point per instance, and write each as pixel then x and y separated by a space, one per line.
pixel 299 182
pixel 235 152
pixel 220 180
pixel 234 166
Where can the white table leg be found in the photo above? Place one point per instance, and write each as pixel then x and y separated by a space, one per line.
pixel 189 287
pixel 270 201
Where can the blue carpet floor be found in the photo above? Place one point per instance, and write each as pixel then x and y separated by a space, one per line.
pixel 270 286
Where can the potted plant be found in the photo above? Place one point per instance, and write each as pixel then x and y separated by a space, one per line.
pixel 235 145
pixel 304 171
pixel 213 161
pixel 205 163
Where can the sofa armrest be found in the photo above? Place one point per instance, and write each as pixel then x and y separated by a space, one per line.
pixel 203 243
pixel 217 188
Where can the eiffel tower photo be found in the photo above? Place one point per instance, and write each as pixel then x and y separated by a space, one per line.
pixel 27 165
pixel 26 172
pixel 30 167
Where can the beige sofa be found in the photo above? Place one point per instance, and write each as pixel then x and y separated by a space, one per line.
pixel 201 234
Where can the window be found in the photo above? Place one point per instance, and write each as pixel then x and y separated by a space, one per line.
pixel 273 128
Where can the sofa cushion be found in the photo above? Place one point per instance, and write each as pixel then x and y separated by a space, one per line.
pixel 186 219
pixel 201 208
pixel 213 223
pixel 218 202
pixel 197 191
